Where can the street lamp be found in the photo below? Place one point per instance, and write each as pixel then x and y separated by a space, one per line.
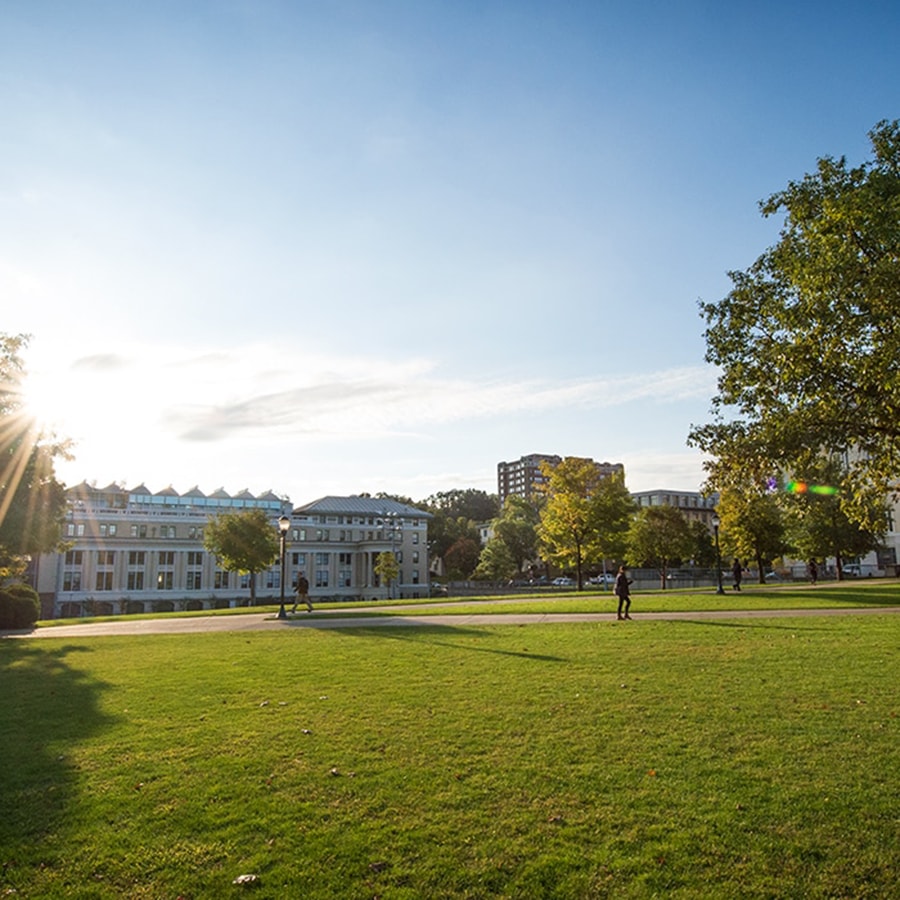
pixel 395 523
pixel 284 523
pixel 715 525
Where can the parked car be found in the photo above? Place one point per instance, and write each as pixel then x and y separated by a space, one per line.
pixel 563 581
pixel 438 590
pixel 852 570
pixel 607 579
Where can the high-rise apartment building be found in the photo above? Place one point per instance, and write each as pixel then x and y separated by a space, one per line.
pixel 523 478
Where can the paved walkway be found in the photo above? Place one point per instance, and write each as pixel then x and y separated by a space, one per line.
pixel 399 618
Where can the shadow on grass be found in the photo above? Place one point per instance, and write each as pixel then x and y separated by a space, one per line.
pixel 866 591
pixel 47 705
pixel 432 634
pixel 749 623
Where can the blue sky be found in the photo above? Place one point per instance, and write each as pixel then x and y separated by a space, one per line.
pixel 327 248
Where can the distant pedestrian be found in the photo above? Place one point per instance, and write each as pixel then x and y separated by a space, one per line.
pixel 623 593
pixel 737 570
pixel 813 570
pixel 302 594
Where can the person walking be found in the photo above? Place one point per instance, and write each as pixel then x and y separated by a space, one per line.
pixel 737 570
pixel 813 571
pixel 302 593
pixel 623 593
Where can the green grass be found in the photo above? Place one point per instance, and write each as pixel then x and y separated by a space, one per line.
pixel 871 592
pixel 831 595
pixel 682 759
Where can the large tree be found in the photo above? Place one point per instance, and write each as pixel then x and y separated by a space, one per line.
pixel 461 558
pixel 808 339
pixel 469 503
pixel 496 562
pixel 516 527
pixel 659 536
pixel 585 515
pixel 32 501
pixel 753 525
pixel 818 524
pixel 246 542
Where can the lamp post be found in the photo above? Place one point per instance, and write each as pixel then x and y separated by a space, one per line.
pixel 715 525
pixel 395 523
pixel 284 523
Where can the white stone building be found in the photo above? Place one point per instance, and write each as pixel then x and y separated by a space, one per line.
pixel 137 551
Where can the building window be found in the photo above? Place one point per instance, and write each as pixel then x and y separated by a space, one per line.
pixel 345 577
pixel 135 581
pixel 71 581
pixel 322 559
pixel 195 558
pixel 220 581
pixel 194 580
pixel 104 581
pixel 165 581
pixel 74 557
pixel 136 557
pixel 321 577
pixel 106 557
pixel 166 557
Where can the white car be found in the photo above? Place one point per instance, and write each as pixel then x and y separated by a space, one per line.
pixel 562 581
pixel 606 579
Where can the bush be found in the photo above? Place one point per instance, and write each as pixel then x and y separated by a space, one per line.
pixel 20 607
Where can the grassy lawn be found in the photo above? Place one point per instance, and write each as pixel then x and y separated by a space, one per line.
pixel 684 759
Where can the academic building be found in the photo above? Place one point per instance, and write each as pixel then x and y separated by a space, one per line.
pixel 132 551
pixel 694 506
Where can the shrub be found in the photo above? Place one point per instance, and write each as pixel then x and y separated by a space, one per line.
pixel 20 607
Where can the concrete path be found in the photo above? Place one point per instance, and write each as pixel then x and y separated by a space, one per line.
pixel 399 618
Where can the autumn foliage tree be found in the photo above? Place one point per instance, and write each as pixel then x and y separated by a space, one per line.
pixel 585 514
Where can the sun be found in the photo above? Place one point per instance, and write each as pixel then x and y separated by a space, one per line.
pixel 45 402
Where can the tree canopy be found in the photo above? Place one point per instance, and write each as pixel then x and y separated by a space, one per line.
pixel 753 525
pixel 585 516
pixel 516 527
pixel 387 569
pixel 659 536
pixel 244 541
pixel 470 503
pixel 32 501
pixel 808 339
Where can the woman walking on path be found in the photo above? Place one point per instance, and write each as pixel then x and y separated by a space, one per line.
pixel 622 592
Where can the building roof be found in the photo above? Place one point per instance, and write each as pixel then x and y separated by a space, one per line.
pixel 360 506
